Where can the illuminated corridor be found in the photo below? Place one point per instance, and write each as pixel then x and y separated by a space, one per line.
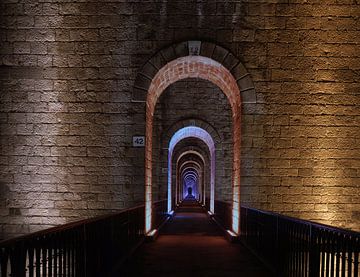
pixel 179 138
pixel 191 244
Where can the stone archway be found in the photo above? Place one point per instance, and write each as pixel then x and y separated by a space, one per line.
pixel 203 162
pixel 180 168
pixel 159 73
pixel 197 132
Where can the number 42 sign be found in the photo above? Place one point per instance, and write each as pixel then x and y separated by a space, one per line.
pixel 139 141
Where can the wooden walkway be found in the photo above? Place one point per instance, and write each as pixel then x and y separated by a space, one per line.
pixel 192 245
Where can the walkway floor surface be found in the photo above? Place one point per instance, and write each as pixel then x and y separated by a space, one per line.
pixel 191 244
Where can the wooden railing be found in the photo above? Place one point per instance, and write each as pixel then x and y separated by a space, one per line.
pixel 94 247
pixel 293 247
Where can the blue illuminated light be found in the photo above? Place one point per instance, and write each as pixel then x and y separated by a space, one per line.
pixel 190 181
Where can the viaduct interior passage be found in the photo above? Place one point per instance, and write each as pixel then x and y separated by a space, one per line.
pixel 203 68
pixel 191 221
pixel 191 185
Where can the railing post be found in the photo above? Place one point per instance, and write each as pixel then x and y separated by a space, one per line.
pixel 277 248
pixel 85 248
pixel 314 254
pixel 18 260
pixel 356 245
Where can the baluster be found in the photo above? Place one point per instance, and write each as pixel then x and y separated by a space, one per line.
pixel 302 250
pixel 283 265
pixel 2 259
pixel 338 251
pixel 73 261
pixel 50 247
pixel 64 254
pixel 301 244
pixel 327 254
pixel 343 256
pixel 349 257
pixel 297 250
pixel 79 248
pixel 31 261
pixel 308 249
pixel 56 255
pixel 60 255
pixel 314 252
pixel 38 255
pixel 323 253
pixel 290 242
pixel 44 258
pixel 289 247
pixel 3 262
pixel 356 256
pixel 292 247
pixel 69 254
pixel 332 252
pixel 86 249
pixel 18 260
pixel 7 269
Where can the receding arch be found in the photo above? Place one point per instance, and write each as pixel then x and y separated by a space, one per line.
pixel 194 122
pixel 207 69
pixel 218 139
pixel 195 132
pixel 201 167
pixel 181 170
pixel 190 163
pixel 190 178
pixel 191 151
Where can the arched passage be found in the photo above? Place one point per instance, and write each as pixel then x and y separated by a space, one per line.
pixel 197 148
pixel 190 178
pixel 200 171
pixel 201 163
pixel 195 132
pixel 203 68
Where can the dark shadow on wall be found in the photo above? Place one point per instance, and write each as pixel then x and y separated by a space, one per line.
pixel 93 76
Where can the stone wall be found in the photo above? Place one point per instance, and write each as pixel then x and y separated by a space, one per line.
pixel 67 119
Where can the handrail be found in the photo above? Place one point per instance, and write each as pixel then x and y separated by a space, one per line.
pixel 303 221
pixel 89 247
pixel 70 225
pixel 295 247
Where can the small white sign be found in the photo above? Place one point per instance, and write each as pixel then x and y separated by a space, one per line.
pixel 139 141
pixel 194 47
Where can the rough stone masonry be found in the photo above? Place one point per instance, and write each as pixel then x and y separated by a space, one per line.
pixel 67 71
